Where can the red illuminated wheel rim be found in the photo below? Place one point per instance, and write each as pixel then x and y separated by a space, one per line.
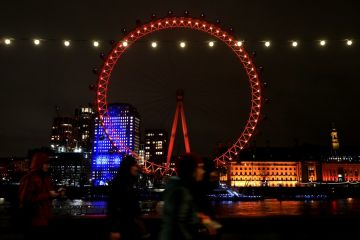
pixel 195 24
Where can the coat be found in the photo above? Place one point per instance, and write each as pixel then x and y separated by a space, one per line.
pixel 35 198
pixel 34 193
pixel 180 221
pixel 124 210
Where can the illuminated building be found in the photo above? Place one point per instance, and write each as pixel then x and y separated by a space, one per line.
pixel 334 140
pixel 264 173
pixel 341 169
pixel 4 170
pixel 141 159
pixel 311 171
pixel 73 134
pixel 156 145
pixel 19 167
pixel 12 169
pixel 125 125
pixel 265 167
pixel 70 169
pixel 85 128
pixel 63 135
pixel 289 167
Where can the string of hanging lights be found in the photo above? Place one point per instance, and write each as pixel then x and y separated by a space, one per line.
pixel 8 41
pixel 347 42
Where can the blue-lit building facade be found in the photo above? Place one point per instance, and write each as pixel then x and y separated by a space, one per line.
pixel 124 123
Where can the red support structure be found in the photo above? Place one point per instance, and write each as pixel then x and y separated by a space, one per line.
pixel 179 110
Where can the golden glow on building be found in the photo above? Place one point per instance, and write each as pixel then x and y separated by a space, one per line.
pixel 334 140
pixel 264 173
pixel 311 171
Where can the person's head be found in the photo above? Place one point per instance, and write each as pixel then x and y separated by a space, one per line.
pixel 134 170
pixel 190 167
pixel 128 167
pixel 211 173
pixel 40 162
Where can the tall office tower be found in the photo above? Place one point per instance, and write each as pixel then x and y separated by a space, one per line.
pixel 85 128
pixel 156 145
pixel 63 135
pixel 124 125
pixel 142 159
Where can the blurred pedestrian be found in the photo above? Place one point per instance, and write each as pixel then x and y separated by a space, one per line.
pixel 206 210
pixel 181 217
pixel 36 193
pixel 124 203
pixel 205 187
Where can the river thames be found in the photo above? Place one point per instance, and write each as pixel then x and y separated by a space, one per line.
pixel 263 208
pixel 264 219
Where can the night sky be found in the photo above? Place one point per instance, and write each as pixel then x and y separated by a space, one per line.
pixel 310 87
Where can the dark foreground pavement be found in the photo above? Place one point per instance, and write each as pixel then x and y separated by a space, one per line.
pixel 279 227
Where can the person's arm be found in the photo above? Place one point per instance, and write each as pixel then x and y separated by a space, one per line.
pixel 46 195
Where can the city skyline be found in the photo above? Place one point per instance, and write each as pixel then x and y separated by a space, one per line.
pixel 309 87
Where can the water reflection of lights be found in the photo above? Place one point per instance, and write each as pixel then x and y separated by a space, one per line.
pixel 76 202
pixel 229 208
pixel 79 207
pixel 225 193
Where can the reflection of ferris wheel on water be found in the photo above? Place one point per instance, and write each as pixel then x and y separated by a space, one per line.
pixel 172 23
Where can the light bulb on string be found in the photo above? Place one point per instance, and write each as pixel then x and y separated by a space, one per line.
pixel 67 43
pixel 96 43
pixel 182 44
pixel 36 42
pixel 7 41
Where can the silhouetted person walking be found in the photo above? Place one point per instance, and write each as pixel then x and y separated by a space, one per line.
pixel 209 182
pixel 36 193
pixel 181 220
pixel 123 206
